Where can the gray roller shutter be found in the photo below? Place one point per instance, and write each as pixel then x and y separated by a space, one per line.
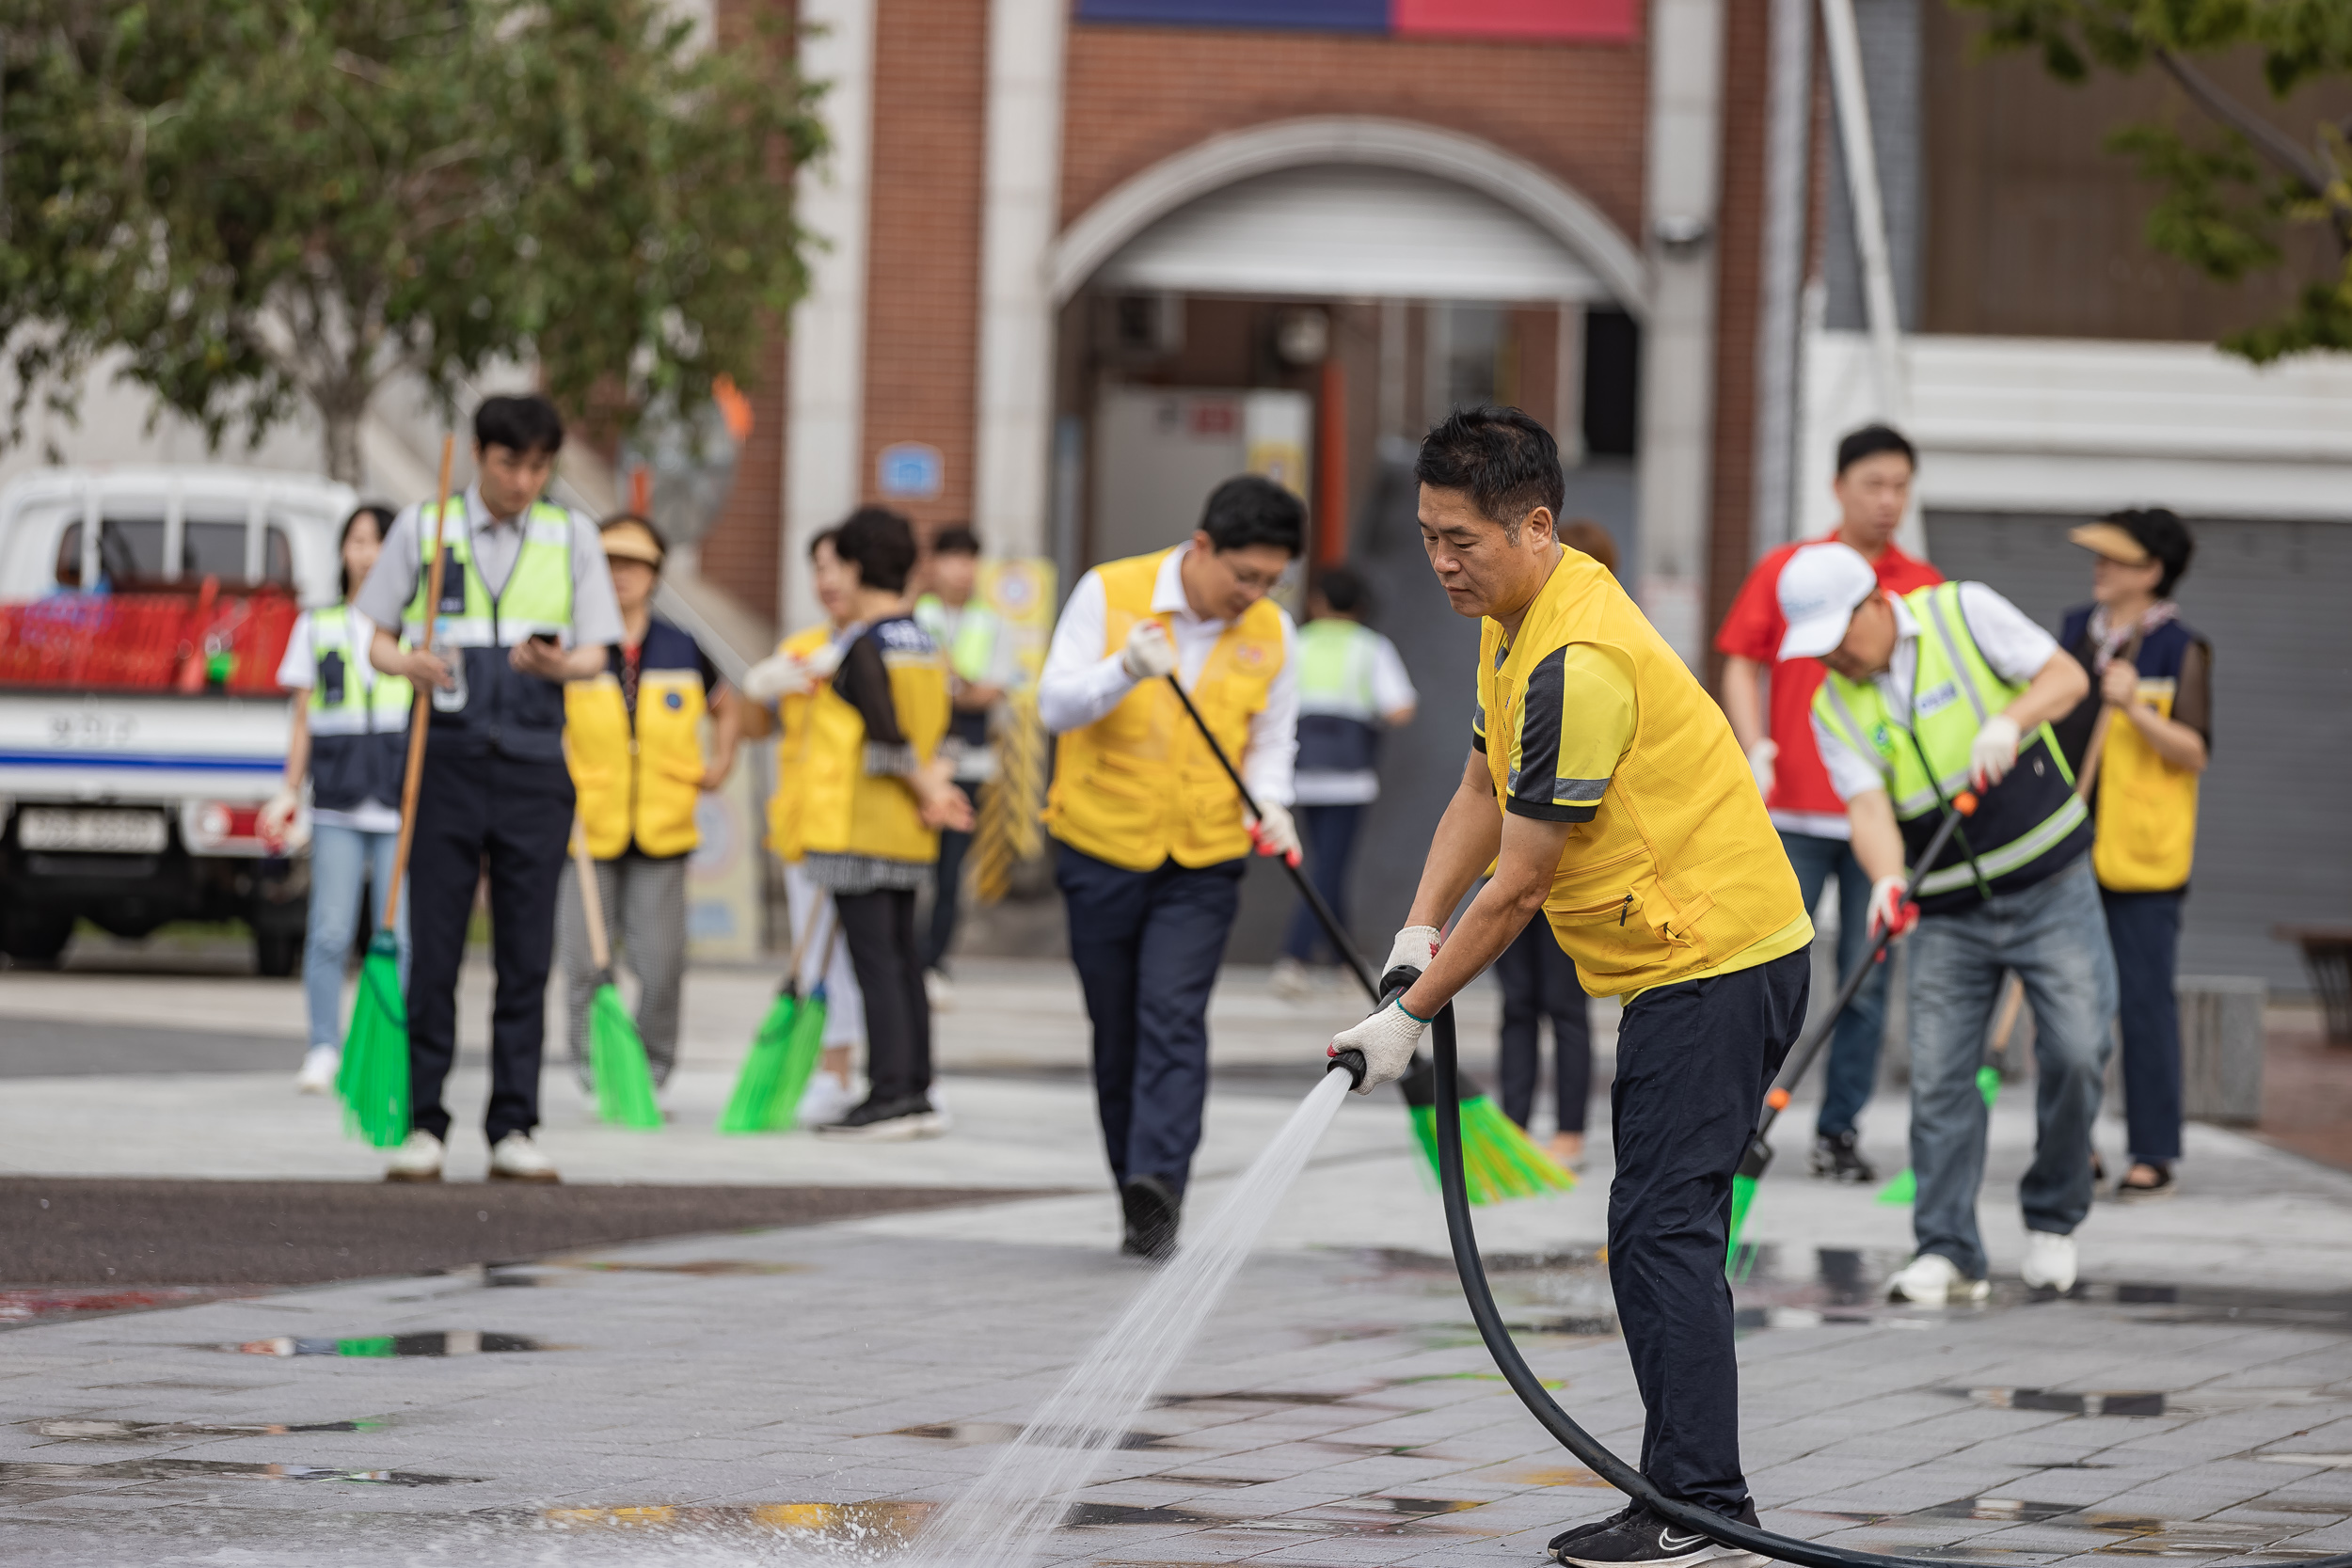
pixel 2274 842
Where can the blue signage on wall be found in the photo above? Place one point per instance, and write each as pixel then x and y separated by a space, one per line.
pixel 909 470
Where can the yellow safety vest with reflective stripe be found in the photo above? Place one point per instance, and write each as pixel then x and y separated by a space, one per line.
pixel 793 739
pixel 1680 870
pixel 638 781
pixel 846 810
pixel 1138 786
pixel 2029 827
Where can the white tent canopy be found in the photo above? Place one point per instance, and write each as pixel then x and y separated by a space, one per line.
pixel 1352 231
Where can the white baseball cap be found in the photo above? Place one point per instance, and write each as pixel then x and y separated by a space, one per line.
pixel 1821 588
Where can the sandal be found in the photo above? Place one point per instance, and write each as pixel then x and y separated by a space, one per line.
pixel 2141 1191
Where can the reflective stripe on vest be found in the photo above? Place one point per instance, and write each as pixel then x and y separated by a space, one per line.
pixel 535 599
pixel 1680 870
pixel 1138 786
pixel 2033 818
pixel 369 700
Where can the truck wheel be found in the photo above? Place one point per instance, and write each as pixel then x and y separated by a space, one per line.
pixel 34 940
pixel 276 954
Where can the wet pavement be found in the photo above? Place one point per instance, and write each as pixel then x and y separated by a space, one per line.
pixel 810 1393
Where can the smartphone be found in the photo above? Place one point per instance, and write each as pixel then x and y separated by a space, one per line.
pixel 545 638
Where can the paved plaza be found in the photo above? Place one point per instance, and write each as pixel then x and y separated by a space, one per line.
pixel 809 1393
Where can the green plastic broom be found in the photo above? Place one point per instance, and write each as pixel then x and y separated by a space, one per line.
pixel 1499 1158
pixel 616 1055
pixel 784 1052
pixel 372 1081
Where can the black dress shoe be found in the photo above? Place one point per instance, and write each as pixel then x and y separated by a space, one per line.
pixel 1152 1209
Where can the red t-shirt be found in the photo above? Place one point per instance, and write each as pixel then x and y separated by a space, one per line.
pixel 1752 630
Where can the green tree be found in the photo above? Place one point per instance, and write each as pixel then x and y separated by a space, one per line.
pixel 269 204
pixel 2228 193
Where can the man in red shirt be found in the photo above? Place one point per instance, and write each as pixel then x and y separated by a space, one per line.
pixel 1873 488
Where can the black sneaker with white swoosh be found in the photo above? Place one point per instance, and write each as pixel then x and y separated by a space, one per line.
pixel 1640 1537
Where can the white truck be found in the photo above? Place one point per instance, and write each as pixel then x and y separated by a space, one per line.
pixel 142 610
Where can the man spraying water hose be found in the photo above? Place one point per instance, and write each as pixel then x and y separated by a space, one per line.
pixel 1606 788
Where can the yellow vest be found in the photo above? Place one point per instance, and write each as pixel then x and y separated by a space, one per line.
pixel 844 809
pixel 2147 815
pixel 640 783
pixel 1680 871
pixel 1138 786
pixel 784 806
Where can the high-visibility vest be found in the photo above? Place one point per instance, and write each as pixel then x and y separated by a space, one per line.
pixel 2143 808
pixel 2028 828
pixel 792 738
pixel 1138 786
pixel 359 718
pixel 846 810
pixel 1338 715
pixel 639 777
pixel 1679 870
pixel 506 711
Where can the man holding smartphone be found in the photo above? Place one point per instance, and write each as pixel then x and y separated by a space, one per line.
pixel 526 605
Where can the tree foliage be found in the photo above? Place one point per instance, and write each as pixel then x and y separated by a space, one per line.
pixel 264 204
pixel 2232 189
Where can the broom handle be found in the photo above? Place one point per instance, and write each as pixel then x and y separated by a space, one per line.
pixel 591 899
pixel 421 708
pixel 800 944
pixel 1330 921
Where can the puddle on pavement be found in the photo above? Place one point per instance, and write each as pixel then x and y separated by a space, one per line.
pixel 1360 1515
pixel 708 1268
pixel 2138 1534
pixel 865 1526
pixel 23 1305
pixel 2058 1402
pixel 13 1472
pixel 1253 1395
pixel 456 1341
pixel 964 1434
pixel 79 1430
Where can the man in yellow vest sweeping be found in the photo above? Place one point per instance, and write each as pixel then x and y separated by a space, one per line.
pixel 634 736
pixel 526 605
pixel 1930 692
pixel 1605 788
pixel 1152 836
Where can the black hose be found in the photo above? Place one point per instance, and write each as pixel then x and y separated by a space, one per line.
pixel 1540 1404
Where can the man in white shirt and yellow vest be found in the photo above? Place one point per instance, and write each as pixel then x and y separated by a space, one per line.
pixel 525 606
pixel 1604 786
pixel 1152 835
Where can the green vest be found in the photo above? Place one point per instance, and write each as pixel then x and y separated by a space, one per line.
pixel 537 597
pixel 1335 659
pixel 350 696
pixel 504 711
pixel 2029 827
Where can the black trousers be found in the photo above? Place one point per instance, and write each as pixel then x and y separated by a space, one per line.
pixel 948 890
pixel 514 821
pixel 2144 928
pixel 879 928
pixel 1693 1061
pixel 1147 945
pixel 1539 982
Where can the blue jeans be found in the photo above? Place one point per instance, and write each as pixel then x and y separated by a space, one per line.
pixel 2144 928
pixel 340 857
pixel 1328 835
pixel 1853 1071
pixel 2055 936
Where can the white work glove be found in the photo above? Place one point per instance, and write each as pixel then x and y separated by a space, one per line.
pixel 1995 752
pixel 824 658
pixel 1888 907
pixel 1274 833
pixel 777 675
pixel 1149 654
pixel 1760 758
pixel 1387 1039
pixel 277 819
pixel 1413 949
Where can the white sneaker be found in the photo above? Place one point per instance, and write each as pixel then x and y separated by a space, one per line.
pixel 1290 979
pixel 826 1101
pixel 418 1158
pixel 319 1067
pixel 939 990
pixel 515 1157
pixel 2049 1262
pixel 1932 1279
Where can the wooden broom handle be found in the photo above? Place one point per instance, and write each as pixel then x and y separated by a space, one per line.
pixel 591 899
pixel 422 707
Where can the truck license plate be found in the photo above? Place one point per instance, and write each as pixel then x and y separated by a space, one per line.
pixel 117 833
